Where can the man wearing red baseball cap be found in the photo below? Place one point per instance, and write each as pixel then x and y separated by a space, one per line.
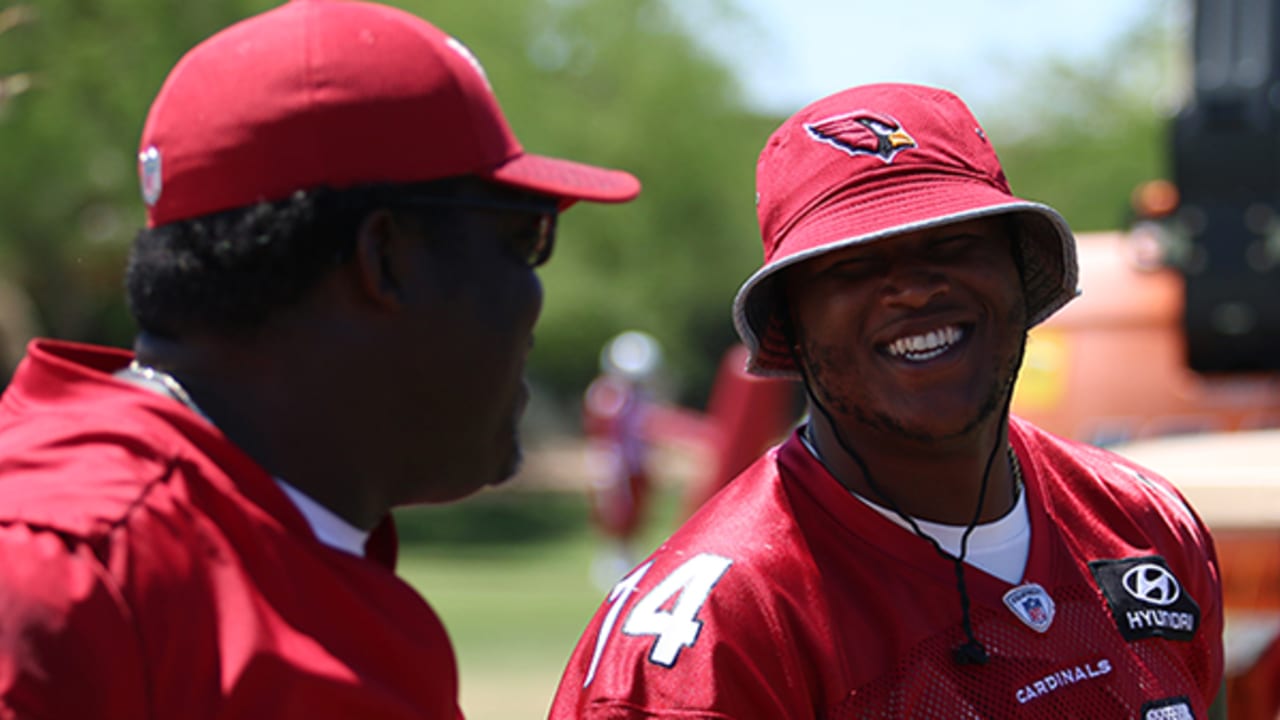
pixel 911 551
pixel 336 292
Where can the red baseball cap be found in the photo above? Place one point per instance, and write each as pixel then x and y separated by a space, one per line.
pixel 336 93
pixel 877 161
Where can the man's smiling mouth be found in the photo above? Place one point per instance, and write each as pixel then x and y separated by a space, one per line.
pixel 926 346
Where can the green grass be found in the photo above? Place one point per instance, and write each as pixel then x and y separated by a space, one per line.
pixel 509 575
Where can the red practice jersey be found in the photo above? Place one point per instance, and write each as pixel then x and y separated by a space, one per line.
pixel 785 597
pixel 151 570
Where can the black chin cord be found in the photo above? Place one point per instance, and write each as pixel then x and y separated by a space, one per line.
pixel 971 652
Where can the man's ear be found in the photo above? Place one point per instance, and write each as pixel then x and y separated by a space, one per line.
pixel 380 260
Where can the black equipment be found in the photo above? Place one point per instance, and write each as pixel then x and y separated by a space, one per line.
pixel 1226 163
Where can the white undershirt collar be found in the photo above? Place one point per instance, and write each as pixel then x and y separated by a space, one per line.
pixel 328 527
pixel 999 548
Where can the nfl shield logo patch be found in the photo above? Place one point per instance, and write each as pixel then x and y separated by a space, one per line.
pixel 1032 605
pixel 149 174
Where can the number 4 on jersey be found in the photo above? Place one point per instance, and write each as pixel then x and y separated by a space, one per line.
pixel 678 627
pixel 675 628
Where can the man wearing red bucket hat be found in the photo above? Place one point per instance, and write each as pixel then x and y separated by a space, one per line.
pixel 336 292
pixel 912 551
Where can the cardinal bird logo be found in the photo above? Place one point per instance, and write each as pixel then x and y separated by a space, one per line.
pixel 862 133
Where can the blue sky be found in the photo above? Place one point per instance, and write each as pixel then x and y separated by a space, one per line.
pixel 790 52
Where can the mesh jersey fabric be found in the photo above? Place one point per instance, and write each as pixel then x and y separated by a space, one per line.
pixel 150 569
pixel 799 601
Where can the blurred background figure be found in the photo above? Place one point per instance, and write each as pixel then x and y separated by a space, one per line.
pixel 615 409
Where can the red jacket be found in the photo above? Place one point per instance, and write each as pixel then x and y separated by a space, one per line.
pixel 149 569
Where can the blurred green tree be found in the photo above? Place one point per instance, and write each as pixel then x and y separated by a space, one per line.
pixel 626 84
pixel 17 314
pixel 68 200
pixel 1082 136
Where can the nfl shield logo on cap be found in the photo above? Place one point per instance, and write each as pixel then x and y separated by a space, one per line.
pixel 149 174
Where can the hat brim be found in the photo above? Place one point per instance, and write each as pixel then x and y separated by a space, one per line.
pixel 1047 245
pixel 567 180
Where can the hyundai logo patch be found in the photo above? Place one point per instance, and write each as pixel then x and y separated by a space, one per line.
pixel 1152 583
pixel 1032 605
pixel 1146 598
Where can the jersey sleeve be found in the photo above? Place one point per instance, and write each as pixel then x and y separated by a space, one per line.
pixel 690 635
pixel 67 646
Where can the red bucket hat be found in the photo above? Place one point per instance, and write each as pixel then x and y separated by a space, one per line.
pixel 871 163
pixel 328 92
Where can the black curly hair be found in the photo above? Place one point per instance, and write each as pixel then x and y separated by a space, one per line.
pixel 226 272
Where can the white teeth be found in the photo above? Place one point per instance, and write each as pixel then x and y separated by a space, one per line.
pixel 918 348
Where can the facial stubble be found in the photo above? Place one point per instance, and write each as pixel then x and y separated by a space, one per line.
pixel 822 362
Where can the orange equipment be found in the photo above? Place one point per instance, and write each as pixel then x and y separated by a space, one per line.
pixel 1111 366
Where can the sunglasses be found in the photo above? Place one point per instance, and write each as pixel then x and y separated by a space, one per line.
pixel 533 247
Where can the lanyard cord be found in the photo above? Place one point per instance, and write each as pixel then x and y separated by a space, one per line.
pixel 972 651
